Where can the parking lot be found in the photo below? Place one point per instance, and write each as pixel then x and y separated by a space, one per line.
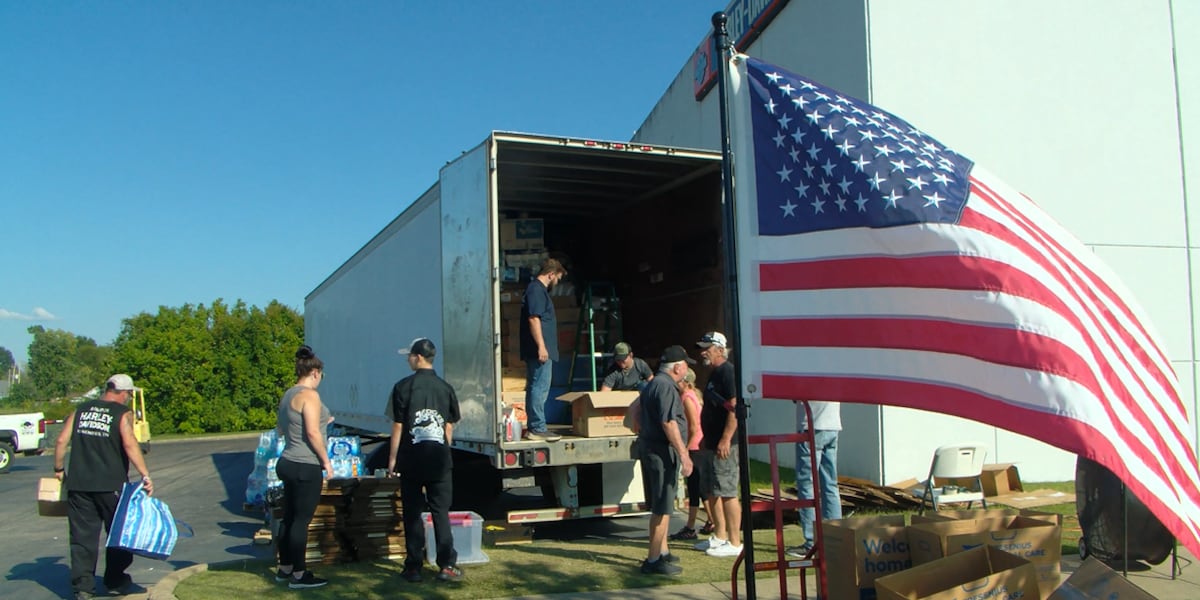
pixel 202 480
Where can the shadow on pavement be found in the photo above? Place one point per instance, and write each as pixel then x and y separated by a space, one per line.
pixel 47 572
pixel 245 531
pixel 233 468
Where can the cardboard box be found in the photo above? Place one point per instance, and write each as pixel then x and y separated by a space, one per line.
pixel 513 384
pixel 598 414
pixel 529 261
pixel 561 302
pixel 503 533
pixel 1036 540
pixel 49 498
pixel 516 400
pixel 511 312
pixel 567 316
pixel 859 550
pixel 1093 580
pixel 982 572
pixel 997 480
pixel 522 234
pixel 985 513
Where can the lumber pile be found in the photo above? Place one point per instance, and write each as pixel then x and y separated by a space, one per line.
pixel 860 493
pixel 857 494
pixel 373 523
pixel 357 519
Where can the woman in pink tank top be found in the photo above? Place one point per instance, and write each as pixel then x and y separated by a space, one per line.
pixel 691 410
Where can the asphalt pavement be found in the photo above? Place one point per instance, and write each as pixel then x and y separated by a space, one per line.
pixel 202 480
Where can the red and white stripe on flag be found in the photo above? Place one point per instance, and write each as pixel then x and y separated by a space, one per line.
pixel 1002 317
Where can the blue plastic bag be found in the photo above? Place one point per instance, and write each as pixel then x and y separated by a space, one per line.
pixel 143 525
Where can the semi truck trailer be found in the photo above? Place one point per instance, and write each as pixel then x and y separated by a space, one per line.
pixel 644 220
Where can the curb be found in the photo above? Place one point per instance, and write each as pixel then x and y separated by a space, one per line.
pixel 165 588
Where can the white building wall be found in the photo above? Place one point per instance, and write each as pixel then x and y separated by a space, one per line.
pixel 1077 103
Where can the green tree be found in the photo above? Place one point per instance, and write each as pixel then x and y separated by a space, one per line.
pixel 210 369
pixel 62 364
pixel 6 360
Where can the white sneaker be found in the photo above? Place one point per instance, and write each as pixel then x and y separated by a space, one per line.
pixel 711 542
pixel 725 550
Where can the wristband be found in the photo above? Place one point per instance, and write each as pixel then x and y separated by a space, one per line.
pixel 59 470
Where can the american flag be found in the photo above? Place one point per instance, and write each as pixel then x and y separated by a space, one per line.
pixel 879 266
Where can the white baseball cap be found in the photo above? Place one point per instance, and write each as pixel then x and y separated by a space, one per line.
pixel 712 338
pixel 121 382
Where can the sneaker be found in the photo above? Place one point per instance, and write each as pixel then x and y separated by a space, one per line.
pixel 712 542
pixel 671 558
pixel 660 567
pixel 125 588
pixel 412 575
pixel 306 581
pixel 451 573
pixel 542 436
pixel 281 577
pixel 707 529
pixel 725 550
pixel 687 533
pixel 800 551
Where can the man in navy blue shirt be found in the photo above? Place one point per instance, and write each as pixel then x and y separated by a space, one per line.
pixel 539 346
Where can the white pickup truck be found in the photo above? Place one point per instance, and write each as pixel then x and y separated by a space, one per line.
pixel 20 433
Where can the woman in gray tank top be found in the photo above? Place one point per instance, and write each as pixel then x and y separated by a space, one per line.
pixel 301 420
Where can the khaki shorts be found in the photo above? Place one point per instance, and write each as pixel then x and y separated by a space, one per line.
pixel 725 474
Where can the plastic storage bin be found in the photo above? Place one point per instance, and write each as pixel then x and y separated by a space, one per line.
pixel 467 529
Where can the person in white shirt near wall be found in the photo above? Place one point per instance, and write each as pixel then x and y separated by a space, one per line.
pixel 827 424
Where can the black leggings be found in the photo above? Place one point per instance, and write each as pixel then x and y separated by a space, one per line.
pixel 301 492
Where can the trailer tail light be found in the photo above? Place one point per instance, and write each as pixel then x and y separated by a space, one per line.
pixel 618 146
pixel 510 459
pixel 646 148
pixel 589 142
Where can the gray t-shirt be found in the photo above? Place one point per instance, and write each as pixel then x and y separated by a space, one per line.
pixel 289 424
pixel 631 379
pixel 661 403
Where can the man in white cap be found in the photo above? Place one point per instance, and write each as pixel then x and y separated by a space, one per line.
pixel 718 422
pixel 100 434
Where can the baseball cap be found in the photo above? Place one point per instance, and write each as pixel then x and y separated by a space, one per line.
pixel 121 382
pixel 712 338
pixel 621 351
pixel 421 347
pixel 676 353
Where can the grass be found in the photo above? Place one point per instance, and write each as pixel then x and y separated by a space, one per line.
pixel 543 567
pixel 547 566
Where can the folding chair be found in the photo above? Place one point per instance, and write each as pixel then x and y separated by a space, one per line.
pixel 958 462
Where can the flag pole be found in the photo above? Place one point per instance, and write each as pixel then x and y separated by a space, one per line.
pixel 724 50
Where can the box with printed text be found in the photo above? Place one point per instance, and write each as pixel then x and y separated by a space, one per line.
pixel 859 550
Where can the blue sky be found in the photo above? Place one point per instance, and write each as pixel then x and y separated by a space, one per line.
pixel 169 153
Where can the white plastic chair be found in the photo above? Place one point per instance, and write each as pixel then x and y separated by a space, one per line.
pixel 956 461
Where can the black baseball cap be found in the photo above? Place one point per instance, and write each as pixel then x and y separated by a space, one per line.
pixel 676 353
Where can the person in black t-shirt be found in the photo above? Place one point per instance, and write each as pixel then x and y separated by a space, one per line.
pixel 424 410
pixel 718 422
pixel 100 435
